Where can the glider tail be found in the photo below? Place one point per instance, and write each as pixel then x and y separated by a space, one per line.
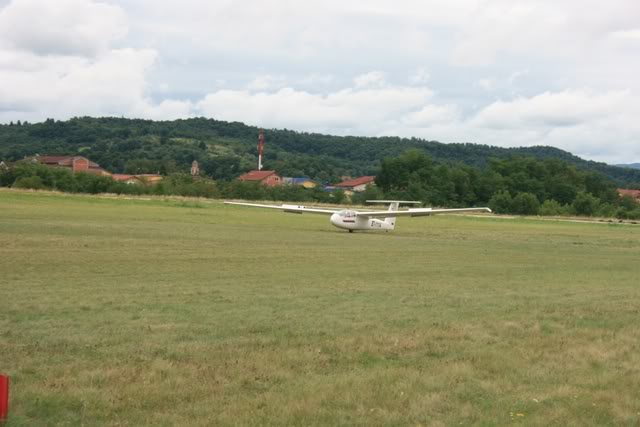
pixel 393 206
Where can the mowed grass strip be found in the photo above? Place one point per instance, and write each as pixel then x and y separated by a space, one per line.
pixel 170 312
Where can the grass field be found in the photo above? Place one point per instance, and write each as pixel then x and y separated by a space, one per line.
pixel 169 312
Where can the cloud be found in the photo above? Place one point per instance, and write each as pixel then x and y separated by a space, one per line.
pixel 627 34
pixel 486 84
pixel 420 76
pixel 543 30
pixel 266 82
pixel 430 115
pixel 61 27
pixel 66 66
pixel 370 79
pixel 168 109
pixel 316 79
pixel 361 109
pixel 566 108
pixel 112 83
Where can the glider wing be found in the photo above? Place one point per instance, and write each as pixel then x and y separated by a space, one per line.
pixel 418 212
pixel 287 208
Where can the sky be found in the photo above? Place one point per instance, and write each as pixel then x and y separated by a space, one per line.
pixel 499 72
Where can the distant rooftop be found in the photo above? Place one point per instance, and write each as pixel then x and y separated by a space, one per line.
pixel 356 181
pixel 632 193
pixel 256 175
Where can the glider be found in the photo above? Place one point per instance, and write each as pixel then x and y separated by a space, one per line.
pixel 349 219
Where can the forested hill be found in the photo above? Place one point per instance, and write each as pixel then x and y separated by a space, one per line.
pixel 630 165
pixel 224 149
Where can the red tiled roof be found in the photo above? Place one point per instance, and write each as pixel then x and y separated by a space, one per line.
pixel 63 160
pixel 98 171
pixel 69 161
pixel 356 181
pixel 139 177
pixel 633 193
pixel 121 177
pixel 256 175
pixel 51 159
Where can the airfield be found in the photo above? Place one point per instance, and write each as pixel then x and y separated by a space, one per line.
pixel 133 312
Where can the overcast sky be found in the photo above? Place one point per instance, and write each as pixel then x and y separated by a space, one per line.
pixel 501 72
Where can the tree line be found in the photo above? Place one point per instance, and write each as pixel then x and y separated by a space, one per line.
pixel 523 185
pixel 28 175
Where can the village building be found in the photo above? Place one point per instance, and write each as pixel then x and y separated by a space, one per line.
pixel 195 168
pixel 150 178
pixel 635 194
pixel 127 179
pixel 143 179
pixel 82 164
pixel 74 163
pixel 332 188
pixel 356 184
pixel 304 181
pixel 269 178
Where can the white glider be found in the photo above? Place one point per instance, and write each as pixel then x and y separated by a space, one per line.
pixel 349 219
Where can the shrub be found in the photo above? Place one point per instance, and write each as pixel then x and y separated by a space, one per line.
pixel 624 213
pixel 501 202
pixel 606 210
pixel 551 207
pixel 32 182
pixel 585 204
pixel 525 204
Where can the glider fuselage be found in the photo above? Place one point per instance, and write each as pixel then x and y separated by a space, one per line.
pixel 348 220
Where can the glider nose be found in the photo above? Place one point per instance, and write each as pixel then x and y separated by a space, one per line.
pixel 345 221
pixel 335 220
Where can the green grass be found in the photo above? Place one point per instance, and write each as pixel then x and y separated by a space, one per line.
pixel 170 312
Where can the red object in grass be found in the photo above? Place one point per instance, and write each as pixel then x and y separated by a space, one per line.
pixel 4 397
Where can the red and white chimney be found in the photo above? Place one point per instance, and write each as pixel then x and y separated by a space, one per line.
pixel 260 148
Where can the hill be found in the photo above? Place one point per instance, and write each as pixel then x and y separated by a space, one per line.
pixel 630 165
pixel 226 149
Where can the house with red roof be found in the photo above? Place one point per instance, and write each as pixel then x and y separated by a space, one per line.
pixel 75 163
pixel 82 164
pixel 302 181
pixel 356 184
pixel 635 194
pixel 126 178
pixel 144 179
pixel 270 178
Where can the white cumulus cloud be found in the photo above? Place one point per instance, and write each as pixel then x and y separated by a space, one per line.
pixel 61 27
pixel 566 108
pixel 370 79
pixel 351 110
pixel 57 60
